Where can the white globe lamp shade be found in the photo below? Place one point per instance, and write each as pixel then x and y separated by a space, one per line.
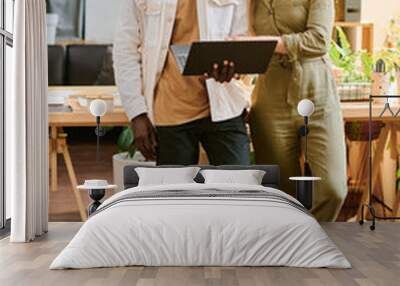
pixel 98 108
pixel 305 108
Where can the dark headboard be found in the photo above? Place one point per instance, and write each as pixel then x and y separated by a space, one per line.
pixel 271 178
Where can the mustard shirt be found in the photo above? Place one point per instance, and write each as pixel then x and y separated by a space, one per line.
pixel 180 99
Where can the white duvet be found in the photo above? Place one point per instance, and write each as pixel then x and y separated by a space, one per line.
pixel 200 232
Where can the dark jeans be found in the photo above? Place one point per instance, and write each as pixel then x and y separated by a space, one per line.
pixel 225 142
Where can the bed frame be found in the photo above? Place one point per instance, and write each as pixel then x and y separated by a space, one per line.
pixel 271 177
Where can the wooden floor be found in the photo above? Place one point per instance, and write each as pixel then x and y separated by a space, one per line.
pixel 62 204
pixel 375 257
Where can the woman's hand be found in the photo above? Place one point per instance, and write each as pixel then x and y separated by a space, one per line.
pixel 280 46
pixel 226 71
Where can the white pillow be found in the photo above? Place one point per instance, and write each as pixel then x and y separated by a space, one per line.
pixel 166 176
pixel 247 177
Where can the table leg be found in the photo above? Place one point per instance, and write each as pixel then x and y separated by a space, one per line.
pixel 376 161
pixel 396 208
pixel 362 175
pixel 72 178
pixel 53 158
pixel 358 168
pixel 393 142
pixel 390 171
pixel 396 205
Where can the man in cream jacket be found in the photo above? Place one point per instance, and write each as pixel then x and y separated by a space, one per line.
pixel 171 114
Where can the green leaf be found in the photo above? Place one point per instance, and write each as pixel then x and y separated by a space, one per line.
pixel 107 128
pixel 335 55
pixel 356 66
pixel 344 42
pixel 132 151
pixel 125 140
pixel 368 65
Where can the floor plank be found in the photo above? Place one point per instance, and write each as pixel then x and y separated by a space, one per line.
pixel 62 204
pixel 375 257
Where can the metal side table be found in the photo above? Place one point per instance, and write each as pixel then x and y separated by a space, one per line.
pixel 305 190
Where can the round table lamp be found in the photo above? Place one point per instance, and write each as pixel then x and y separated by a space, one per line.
pixel 306 108
pixel 97 188
pixel 305 185
pixel 98 108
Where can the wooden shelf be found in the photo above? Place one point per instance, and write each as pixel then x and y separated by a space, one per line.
pixel 367 30
pixel 67 42
pixel 353 24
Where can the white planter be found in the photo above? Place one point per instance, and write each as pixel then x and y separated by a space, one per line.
pixel 354 90
pixel 380 85
pixel 120 161
pixel 52 23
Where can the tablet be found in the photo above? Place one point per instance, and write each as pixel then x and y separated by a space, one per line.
pixel 250 57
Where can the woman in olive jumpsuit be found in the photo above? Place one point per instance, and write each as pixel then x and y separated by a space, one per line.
pixel 300 69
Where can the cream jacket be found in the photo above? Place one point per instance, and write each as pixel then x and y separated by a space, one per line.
pixel 142 41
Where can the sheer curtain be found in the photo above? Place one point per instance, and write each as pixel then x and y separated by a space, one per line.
pixel 26 119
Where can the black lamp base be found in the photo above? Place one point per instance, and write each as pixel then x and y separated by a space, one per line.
pixel 305 190
pixel 96 195
pixel 304 193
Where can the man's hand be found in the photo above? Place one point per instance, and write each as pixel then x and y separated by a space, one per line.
pixel 145 136
pixel 223 73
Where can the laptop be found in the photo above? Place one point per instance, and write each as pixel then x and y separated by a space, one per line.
pixel 250 57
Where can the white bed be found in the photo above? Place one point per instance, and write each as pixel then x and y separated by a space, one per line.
pixel 247 226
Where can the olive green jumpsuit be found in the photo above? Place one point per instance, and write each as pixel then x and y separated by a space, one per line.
pixel 305 26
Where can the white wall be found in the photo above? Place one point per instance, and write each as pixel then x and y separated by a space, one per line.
pixel 101 19
pixel 380 12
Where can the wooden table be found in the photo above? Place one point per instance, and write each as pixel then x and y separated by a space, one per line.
pixel 385 154
pixel 358 111
pixel 81 119
pixel 58 144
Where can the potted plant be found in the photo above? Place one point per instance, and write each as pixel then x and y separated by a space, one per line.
pixel 355 81
pixel 354 78
pixel 128 155
pixel 354 70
